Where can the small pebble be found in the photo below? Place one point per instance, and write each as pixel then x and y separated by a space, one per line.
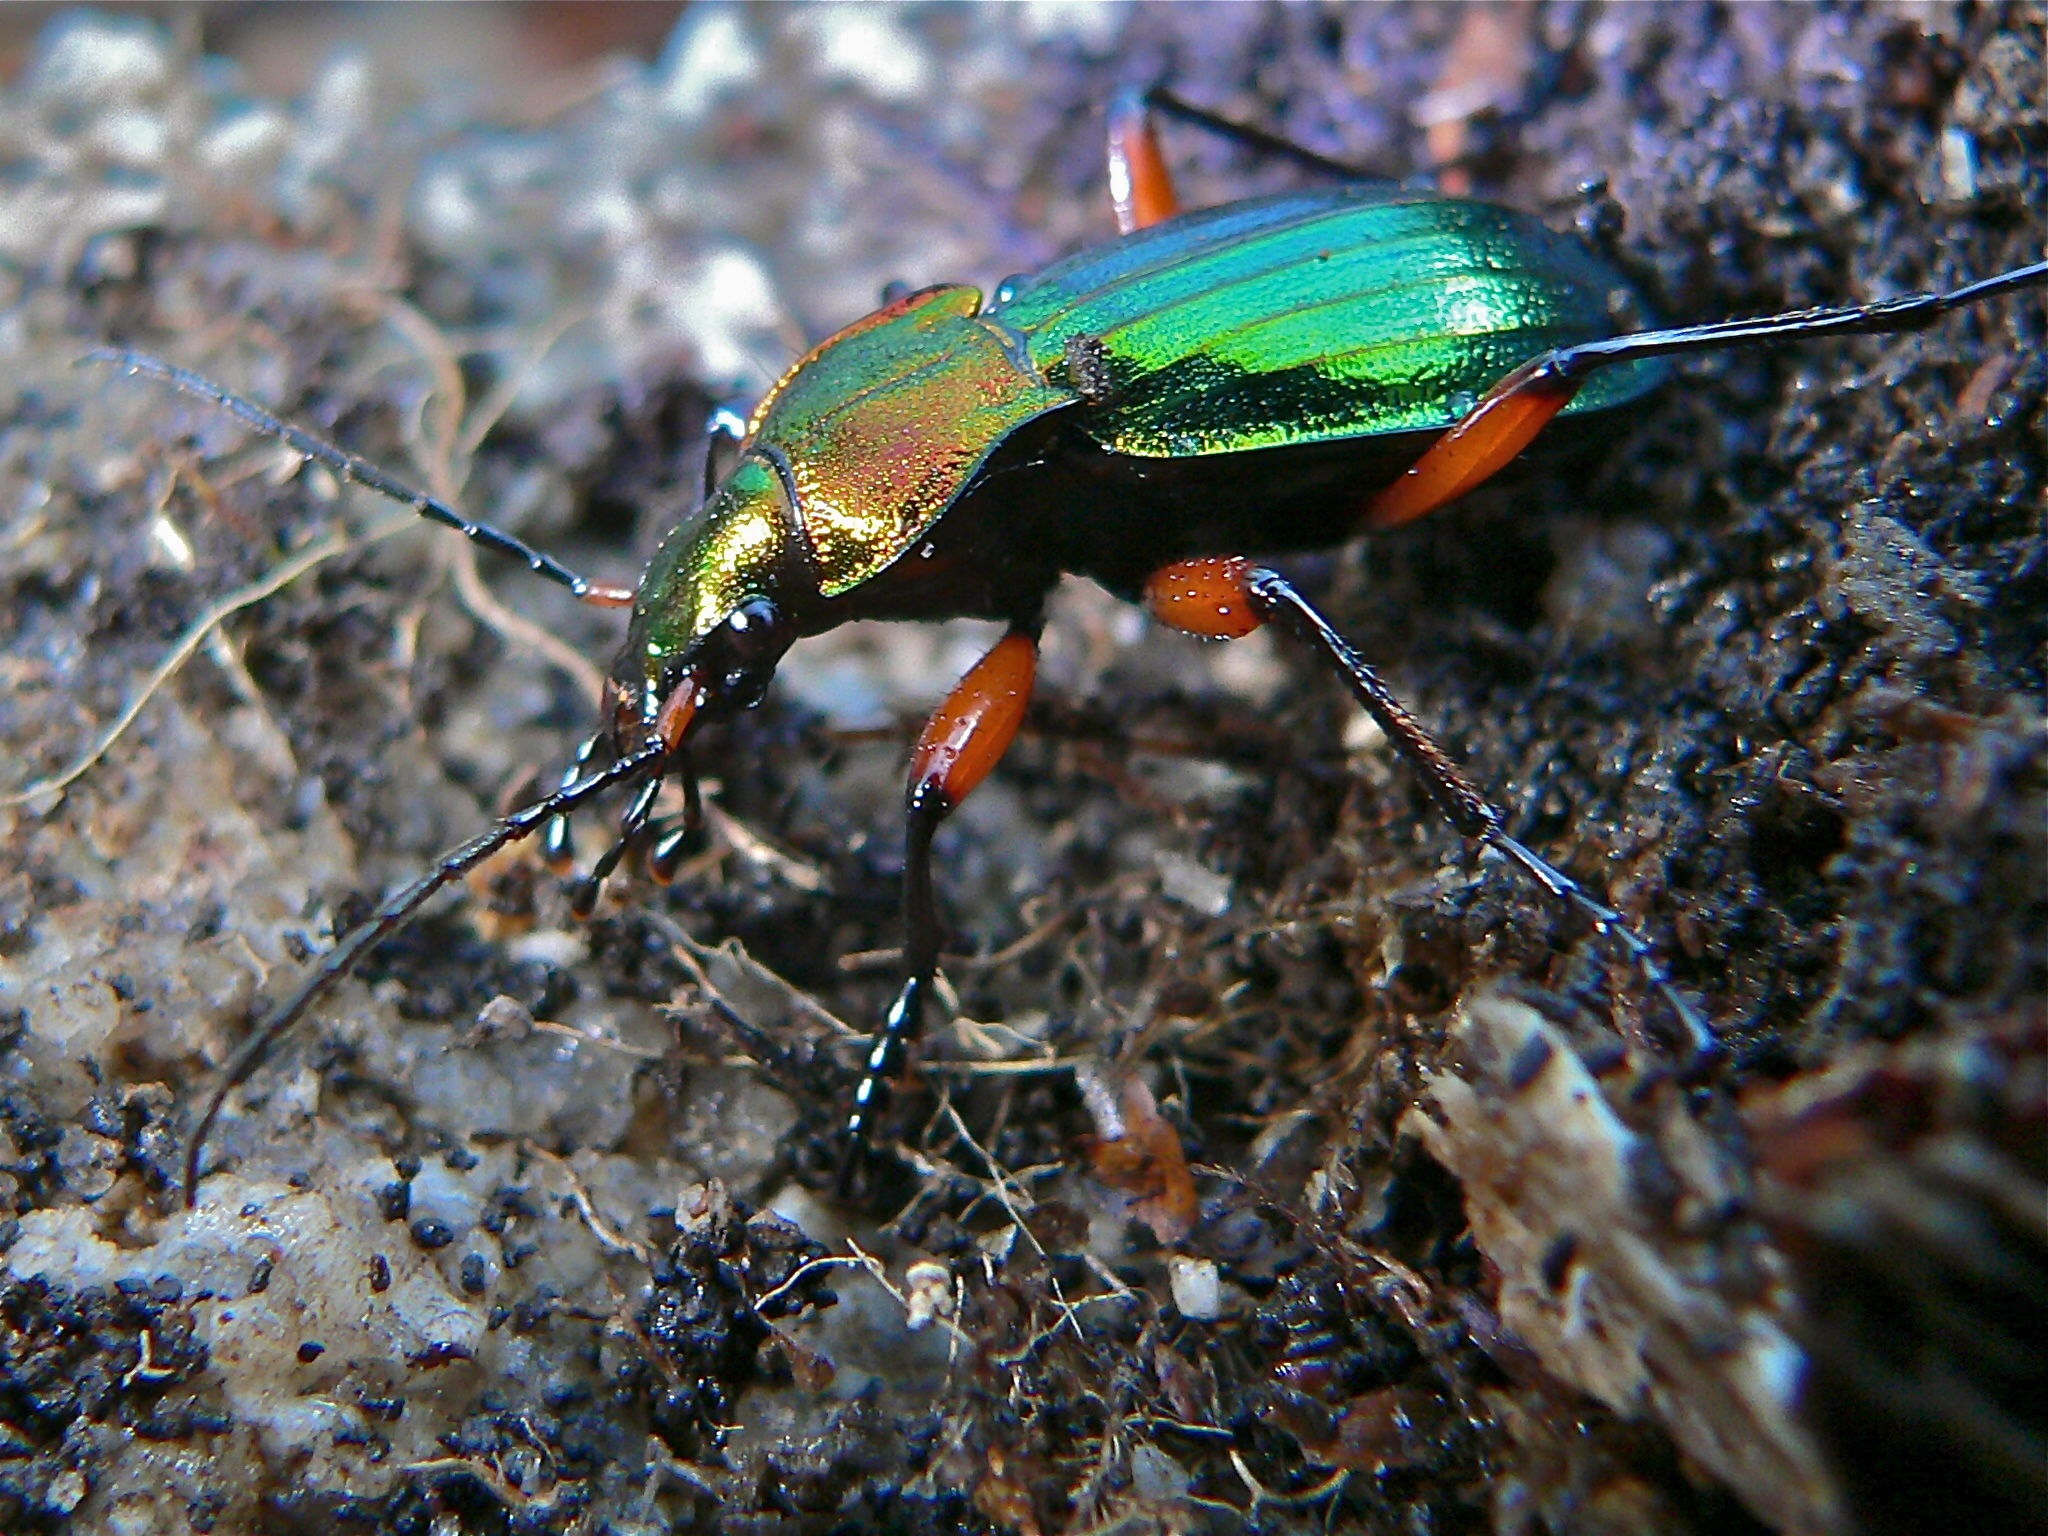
pixel 1197 1289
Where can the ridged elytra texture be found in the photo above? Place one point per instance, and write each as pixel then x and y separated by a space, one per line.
pixel 1312 317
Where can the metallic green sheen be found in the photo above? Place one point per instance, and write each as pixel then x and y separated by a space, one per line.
pixel 1313 317
pixel 730 549
pixel 884 425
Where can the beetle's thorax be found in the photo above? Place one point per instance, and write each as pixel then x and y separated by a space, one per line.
pixel 848 462
pixel 882 427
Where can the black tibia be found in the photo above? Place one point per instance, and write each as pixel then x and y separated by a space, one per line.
pixel 583 894
pixel 928 807
pixel 964 739
pixel 1461 801
pixel 685 769
pixel 666 856
pixel 394 915
pixel 349 467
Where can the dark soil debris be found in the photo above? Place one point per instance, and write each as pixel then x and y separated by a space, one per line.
pixel 81 1370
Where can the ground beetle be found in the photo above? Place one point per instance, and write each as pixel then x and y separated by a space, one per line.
pixel 1268 376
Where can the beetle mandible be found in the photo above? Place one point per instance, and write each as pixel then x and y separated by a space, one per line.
pixel 1157 413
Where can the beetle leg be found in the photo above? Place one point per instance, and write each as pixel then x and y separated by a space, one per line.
pixel 558 843
pixel 665 858
pixel 1522 404
pixel 583 894
pixel 1224 597
pixel 965 738
pixel 363 472
pixel 1160 99
pixel 1140 185
pixel 724 431
pixel 1479 447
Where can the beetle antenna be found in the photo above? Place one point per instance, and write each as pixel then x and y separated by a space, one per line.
pixel 350 467
pixel 389 919
pixel 1881 317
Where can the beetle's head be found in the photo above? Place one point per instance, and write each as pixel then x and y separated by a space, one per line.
pixel 714 612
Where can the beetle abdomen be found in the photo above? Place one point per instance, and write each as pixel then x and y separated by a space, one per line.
pixel 1314 317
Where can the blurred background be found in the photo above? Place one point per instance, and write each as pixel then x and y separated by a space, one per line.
pixel 418 49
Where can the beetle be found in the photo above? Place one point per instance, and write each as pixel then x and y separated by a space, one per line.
pixel 1159 413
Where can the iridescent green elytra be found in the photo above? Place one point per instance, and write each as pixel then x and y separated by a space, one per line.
pixel 1315 316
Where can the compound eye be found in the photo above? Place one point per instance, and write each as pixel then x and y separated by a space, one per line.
pixel 753 633
pixel 749 644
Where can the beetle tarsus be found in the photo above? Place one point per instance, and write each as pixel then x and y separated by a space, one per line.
pixel 964 739
pixel 1462 802
pixel 905 1019
pixel 1700 1046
